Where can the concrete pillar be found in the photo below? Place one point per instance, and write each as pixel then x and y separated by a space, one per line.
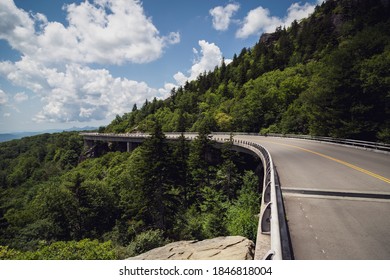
pixel 89 144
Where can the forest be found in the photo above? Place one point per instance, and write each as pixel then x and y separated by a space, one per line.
pixel 328 75
pixel 55 206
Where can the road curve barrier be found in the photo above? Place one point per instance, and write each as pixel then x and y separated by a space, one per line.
pixel 366 145
pixel 272 217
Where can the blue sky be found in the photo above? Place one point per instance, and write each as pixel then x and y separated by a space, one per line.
pixel 66 63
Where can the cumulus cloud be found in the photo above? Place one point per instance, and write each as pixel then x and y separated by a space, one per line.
pixel 17 27
pixel 222 16
pixel 104 31
pixel 3 97
pixel 55 57
pixel 78 93
pixel 20 97
pixel 297 12
pixel 210 56
pixel 260 20
pixel 165 92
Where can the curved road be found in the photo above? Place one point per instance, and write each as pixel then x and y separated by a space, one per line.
pixel 337 198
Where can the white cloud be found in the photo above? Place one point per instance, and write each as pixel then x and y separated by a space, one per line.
pixel 3 97
pixel 172 38
pixel 16 27
pixel 103 31
pixel 54 58
pixel 210 56
pixel 297 12
pixel 20 97
pixel 7 115
pixel 180 78
pixel 222 16
pixel 165 92
pixel 78 93
pixel 260 20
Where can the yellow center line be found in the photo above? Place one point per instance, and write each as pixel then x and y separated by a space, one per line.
pixel 372 174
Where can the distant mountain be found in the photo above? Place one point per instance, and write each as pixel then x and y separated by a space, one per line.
pixel 18 135
pixel 80 128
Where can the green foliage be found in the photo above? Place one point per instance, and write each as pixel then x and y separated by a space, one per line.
pixel 146 241
pixel 161 191
pixel 242 216
pixel 323 76
pixel 212 211
pixel 327 75
pixel 72 250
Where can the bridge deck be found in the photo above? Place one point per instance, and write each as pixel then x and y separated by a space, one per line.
pixel 346 226
pixel 337 198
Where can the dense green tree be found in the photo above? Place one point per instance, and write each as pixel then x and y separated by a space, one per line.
pixel 85 249
pixel 326 75
pixel 198 165
pixel 242 216
pixel 156 173
pixel 257 90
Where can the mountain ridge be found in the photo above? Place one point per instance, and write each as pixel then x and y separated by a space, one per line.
pixel 323 76
pixel 18 135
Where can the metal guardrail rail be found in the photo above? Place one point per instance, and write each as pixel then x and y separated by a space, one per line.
pixel 269 214
pixel 375 146
pixel 348 142
pixel 272 204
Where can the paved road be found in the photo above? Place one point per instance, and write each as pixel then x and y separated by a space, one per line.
pixel 337 198
pixel 347 224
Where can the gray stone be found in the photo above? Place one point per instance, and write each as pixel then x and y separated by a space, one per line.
pixel 220 248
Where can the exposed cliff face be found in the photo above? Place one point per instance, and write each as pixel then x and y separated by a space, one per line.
pixel 220 248
pixel 269 38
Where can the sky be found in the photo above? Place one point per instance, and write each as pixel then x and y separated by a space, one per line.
pixel 71 63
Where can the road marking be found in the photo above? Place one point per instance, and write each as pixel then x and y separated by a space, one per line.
pixel 336 193
pixel 367 172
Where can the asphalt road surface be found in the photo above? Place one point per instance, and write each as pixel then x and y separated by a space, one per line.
pixel 337 198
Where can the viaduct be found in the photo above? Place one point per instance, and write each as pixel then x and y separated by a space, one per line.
pixel 323 198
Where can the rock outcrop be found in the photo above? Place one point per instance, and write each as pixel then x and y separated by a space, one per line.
pixel 269 38
pixel 220 248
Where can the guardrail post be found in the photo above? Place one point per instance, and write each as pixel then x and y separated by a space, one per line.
pixel 269 256
pixel 266 219
pixel 269 217
pixel 267 193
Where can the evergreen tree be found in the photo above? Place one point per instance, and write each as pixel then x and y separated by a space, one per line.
pixel 198 163
pixel 156 175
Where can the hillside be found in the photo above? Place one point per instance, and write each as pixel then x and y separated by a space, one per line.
pixel 327 75
pixel 56 203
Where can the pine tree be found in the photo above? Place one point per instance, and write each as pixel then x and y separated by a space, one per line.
pixel 156 178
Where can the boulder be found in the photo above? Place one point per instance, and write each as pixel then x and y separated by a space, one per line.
pixel 220 248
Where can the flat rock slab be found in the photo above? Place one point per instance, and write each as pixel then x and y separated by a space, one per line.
pixel 220 248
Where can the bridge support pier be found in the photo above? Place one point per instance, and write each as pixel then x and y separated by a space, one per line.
pixel 89 144
pixel 130 146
